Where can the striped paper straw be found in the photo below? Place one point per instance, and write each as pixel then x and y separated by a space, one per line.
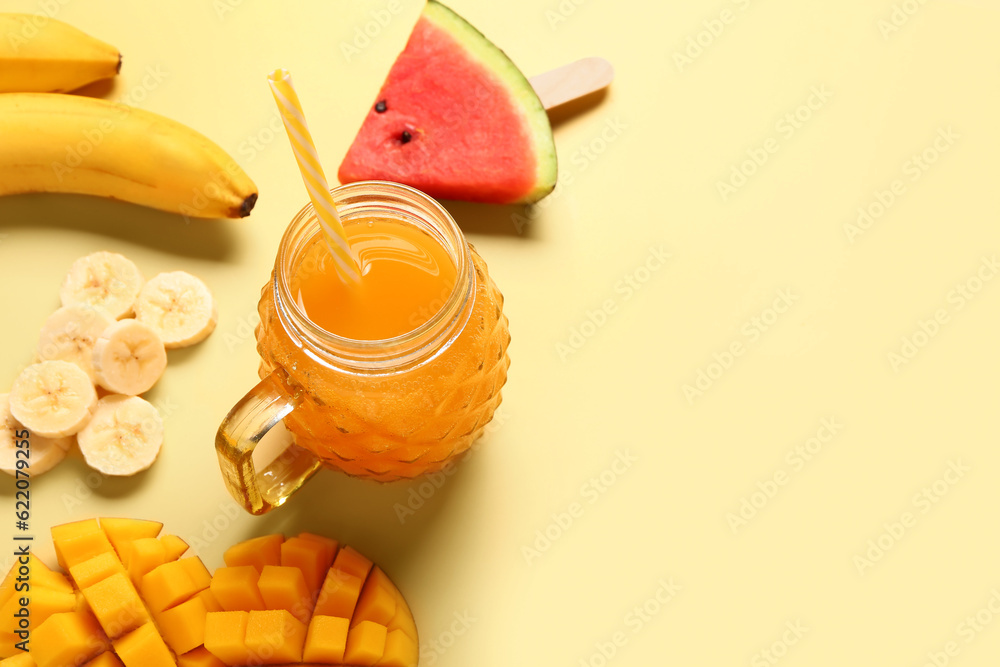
pixel 312 174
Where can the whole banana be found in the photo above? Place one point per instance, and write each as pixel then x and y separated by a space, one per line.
pixel 83 145
pixel 42 55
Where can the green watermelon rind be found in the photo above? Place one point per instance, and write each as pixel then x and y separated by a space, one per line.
pixel 526 100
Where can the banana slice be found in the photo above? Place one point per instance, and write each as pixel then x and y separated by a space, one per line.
pixel 179 307
pixel 129 358
pixel 124 437
pixel 104 279
pixel 70 334
pixel 53 398
pixel 43 453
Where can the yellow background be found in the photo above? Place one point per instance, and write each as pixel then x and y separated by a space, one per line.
pixel 641 170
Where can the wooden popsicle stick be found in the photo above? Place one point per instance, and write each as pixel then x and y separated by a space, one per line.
pixel 572 81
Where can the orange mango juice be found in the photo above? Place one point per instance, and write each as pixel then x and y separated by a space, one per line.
pixel 406 276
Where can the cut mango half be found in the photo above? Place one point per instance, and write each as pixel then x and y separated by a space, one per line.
pixel 131 599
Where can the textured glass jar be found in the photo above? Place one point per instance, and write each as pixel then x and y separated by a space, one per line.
pixel 387 409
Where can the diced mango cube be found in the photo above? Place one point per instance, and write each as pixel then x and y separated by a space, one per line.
pixel 116 605
pixel 236 588
pixel 144 647
pixel 183 627
pixel 400 651
pixel 330 542
pixel 44 602
pixel 326 640
pixel 339 594
pixel 197 571
pixel 173 546
pixel 350 561
pixel 403 618
pixel 67 639
pixel 106 659
pixel 42 577
pixel 365 643
pixel 15 612
pixel 208 598
pixel 33 608
pixel 7 587
pixel 19 660
pixel 313 557
pixel 74 529
pixel 167 585
pixel 285 588
pixel 275 637
pixel 122 531
pixel 8 644
pixel 8 619
pixel 96 569
pixel 75 550
pixel 377 601
pixel 225 636
pixel 68 531
pixel 258 552
pixel 329 545
pixel 199 657
pixel 144 555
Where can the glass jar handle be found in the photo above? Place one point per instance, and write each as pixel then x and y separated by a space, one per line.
pixel 238 436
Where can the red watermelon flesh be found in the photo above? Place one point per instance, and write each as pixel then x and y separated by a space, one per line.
pixel 456 119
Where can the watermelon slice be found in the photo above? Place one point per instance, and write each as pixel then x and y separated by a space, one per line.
pixel 456 119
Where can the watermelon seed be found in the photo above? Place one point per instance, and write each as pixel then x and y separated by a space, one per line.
pixel 406 137
pixel 380 106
